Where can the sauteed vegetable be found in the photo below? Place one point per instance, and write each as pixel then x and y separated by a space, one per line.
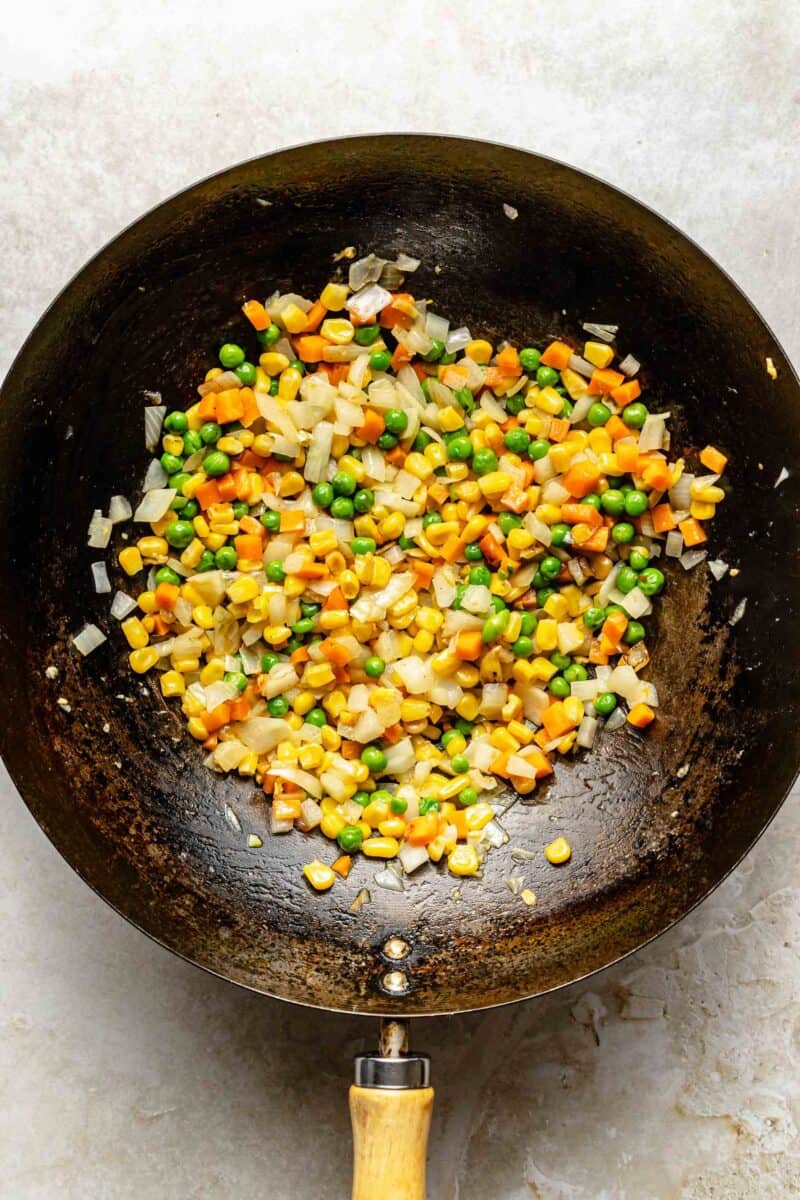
pixel 392 566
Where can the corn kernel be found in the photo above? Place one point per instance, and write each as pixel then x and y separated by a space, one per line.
pixel 478 815
pixel 172 443
pixel 172 683
pixel 512 710
pixel 600 441
pixel 304 702
pixel 468 706
pixel 558 851
pixel 203 616
pixel 405 606
pixel 322 541
pixel 519 539
pixel 294 722
pixel 154 548
pixel 710 494
pixel 349 585
pixel 392 827
pixel 543 669
pixel 242 591
pixel 392 526
pixel 143 659
pixel 494 484
pixel 450 419
pixel 556 606
pixel 598 354
pixel 332 824
pixel 463 861
pixel 438 534
pixel 514 627
pixel 317 675
pixel 561 456
pixel 381 572
pixel 292 484
pixel 130 560
pixel 423 642
pixel 135 633
pixel 501 739
pixel 213 672
pixel 293 586
pixel 520 732
pixel 337 330
pixel 333 296
pixel 320 876
pixel 479 350
pixel 215 541
pixel 273 363
pixel 293 318
pixel 453 786
pixel 193 553
pixel 702 512
pixel 380 847
pixel 185 665
pixel 418 465
pixel 414 710
pixel 249 766
pixel 197 729
pixel 310 757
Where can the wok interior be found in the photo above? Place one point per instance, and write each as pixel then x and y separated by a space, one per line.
pixel 133 809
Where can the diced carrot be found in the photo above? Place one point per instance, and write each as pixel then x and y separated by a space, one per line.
pixel 491 548
pixel 244 480
pixel 627 455
pixel 557 355
pixel 641 715
pixel 500 765
pixel 208 494
pixel 419 370
pixel 469 645
pixel 607 647
pixel 555 720
pixel 210 743
pixel 714 459
pixel 287 808
pixel 229 406
pixel 251 525
pixel 207 408
pixel 343 865
pixel 310 347
pixel 581 514
pixel 626 392
pixel 597 655
pixel 401 357
pixel 396 457
pixel 312 570
pixel 392 734
pixel 358 321
pixel 314 318
pixel 371 427
pixel 350 750
pixel 507 362
pixel 459 820
pixel 300 655
pixel 597 543
pixel 528 474
pixel 336 372
pixel 655 472
pixel 614 627
pixel 160 625
pixel 582 478
pixel 452 548
pixel 539 760
pixel 250 411
pixel 248 545
pixel 559 428
pixel 604 380
pixel 240 709
pixel 256 314
pixel 422 830
pixel 293 520
pixel 663 518
pixel 616 428
pixel 217 717
pixel 392 316
pixel 693 532
pixel 424 573
pixel 227 487
pixel 454 376
pixel 336 652
pixel 167 595
pixel 250 459
pixel 516 500
pixel 494 378
pixel 438 492
pixel 335 602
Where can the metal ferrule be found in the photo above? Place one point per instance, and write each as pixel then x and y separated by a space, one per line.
pixel 393 1074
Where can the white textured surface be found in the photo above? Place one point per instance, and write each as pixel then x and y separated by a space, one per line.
pixel 125 1073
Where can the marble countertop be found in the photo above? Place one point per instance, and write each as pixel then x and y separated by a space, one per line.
pixel 126 1073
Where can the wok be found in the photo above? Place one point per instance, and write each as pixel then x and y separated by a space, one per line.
pixel 654 821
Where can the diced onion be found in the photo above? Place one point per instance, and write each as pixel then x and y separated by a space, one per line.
pixel 364 271
pixel 154 505
pixel 636 603
pixel 153 420
pixel 457 339
pixel 616 720
pixel 652 433
pixel 738 612
pixel 674 544
pixel 122 605
pixel 102 584
pixel 156 476
pixel 437 327
pixel 629 365
pixel 390 882
pixel 99 531
pixel 691 558
pixel 581 366
pixel 587 731
pixel 412 857
pixel 718 568
pixel 606 333
pixel 369 301
pixel 220 383
pixel 119 509
pixel 89 638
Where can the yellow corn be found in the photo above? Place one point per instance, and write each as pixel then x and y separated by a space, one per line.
pixel 573 707
pixel 392 526
pixel 230 445
pixel 337 330
pixel 130 560
pixel 561 456
pixel 501 739
pixel 479 350
pixel 203 616
pixel 381 572
pixel 317 675
pixel 542 668
pixel 242 591
pixel 380 847
pixel 142 660
pixel 320 876
pixel 710 494
pixel 463 861
pixel 273 363
pixel 193 553
pixel 293 318
pixel 520 732
pixel 392 827
pixel 334 703
pixel 333 296
pixel 702 512
pixel 414 710
pixel 293 586
pixel 495 484
pixel 478 815
pixel 436 454
pixel 558 851
pixel 310 757
pixel 185 665
pixel 438 534
pixel 556 606
pixel 417 464
pixel 172 683
pixel 292 484
pixel 153 547
pixel 519 539
pixel 213 672
pixel 600 441
pixel 135 633
pixel 349 584
pixel 598 354
pixel 549 401
pixel 546 636
pixel 333 619
pixel 548 514
pixel 514 627
pixel 450 419
pixel 468 706
pixel 405 606
pixel 197 729
pixel 453 786
pixel 304 702
pixel 322 541
pixel 332 824
pixel 215 541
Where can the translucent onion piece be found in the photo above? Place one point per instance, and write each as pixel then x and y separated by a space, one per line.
pixel 154 505
pixel 220 383
pixel 119 509
pixel 102 584
pixel 100 530
pixel 364 271
pixel 581 366
pixel 691 558
pixel 369 301
pixel 511 212
pixel 738 612
pixel 153 420
pixel 390 882
pixel 629 365
pixel 89 638
pixel 718 568
pixel 122 605
pixel 156 476
pixel 605 333
pixel 457 339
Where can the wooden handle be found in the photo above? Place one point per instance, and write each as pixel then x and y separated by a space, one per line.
pixel 390 1142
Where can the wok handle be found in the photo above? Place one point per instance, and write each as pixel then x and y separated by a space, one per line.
pixel 390 1142
pixel 390 1108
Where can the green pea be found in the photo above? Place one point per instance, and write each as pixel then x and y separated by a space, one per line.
pixel 362 798
pixel 298 366
pixel 171 463
pixel 210 433
pixel 374 759
pixel 207 562
pixel 626 579
pixel 550 566
pixel 459 596
pixel 494 625
pixel 539 449
pixel 459 763
pixel 350 838
pixel 216 463
pixel 598 414
pixel 167 575
pixel 271 521
pixel 344 484
pixel 237 678
pixel 546 377
pixel 274 386
pixel 363 545
pixel 529 359
pixel 428 804
pixel 179 534
pixel 406 543
pixel 562 661
pixel 613 502
pixel 247 374
pixel 177 482
pixel 566 407
pixel 543 594
pixel 380 360
pixel 192 442
pixel 635 415
pixel 480 576
pixel 508 521
pixel 398 805
pixel 517 441
pixel 422 440
pixel 560 534
pixel 240 509
pixel 559 687
pixel 484 461
pixel 303 626
pixel 278 706
pixel 342 508
pixel 575 673
pixel 374 666
pixel 638 558
pixel 431 518
pixel 593 500
pixel 635 503
pixel 268 660
pixel 594 617
pixel 176 422
pixel 625 488
pixel 365 335
pixel 465 398
pixel 231 355
pixel 363 500
pixel 473 552
pixel 436 351
pixel 529 623
pixel 396 421
pixel 317 717
pixel 622 533
pixel 468 796
pixel 447 359
pixel 634 633
pixel 387 441
pixel 225 558
pixel 522 647
pixel 275 571
pixel 515 405
pixel 497 604
pixel 651 581
pixel 269 336
pixel 449 736
pixel 459 448
pixel 464 727
pixel 322 495
pixel 605 703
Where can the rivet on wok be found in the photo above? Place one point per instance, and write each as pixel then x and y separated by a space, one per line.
pixel 395 982
pixel 396 948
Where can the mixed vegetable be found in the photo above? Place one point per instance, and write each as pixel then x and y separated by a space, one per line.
pixel 393 567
